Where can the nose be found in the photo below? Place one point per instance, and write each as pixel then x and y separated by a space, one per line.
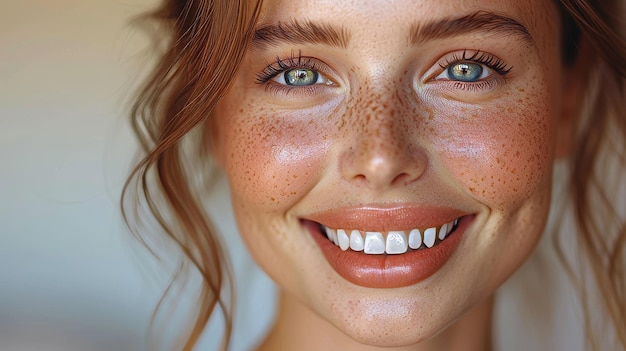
pixel 383 152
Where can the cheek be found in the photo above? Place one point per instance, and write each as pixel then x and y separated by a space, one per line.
pixel 501 154
pixel 271 157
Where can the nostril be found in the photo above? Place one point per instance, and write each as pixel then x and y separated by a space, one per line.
pixel 402 179
pixel 360 177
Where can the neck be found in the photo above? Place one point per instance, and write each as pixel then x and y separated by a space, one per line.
pixel 299 328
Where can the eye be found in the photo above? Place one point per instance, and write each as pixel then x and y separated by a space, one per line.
pixel 293 72
pixel 469 68
pixel 299 77
pixel 465 72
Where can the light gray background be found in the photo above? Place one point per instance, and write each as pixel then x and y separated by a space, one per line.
pixel 69 275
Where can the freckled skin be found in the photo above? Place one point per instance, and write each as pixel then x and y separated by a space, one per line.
pixel 385 134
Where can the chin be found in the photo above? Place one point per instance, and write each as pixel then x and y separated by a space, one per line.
pixel 395 327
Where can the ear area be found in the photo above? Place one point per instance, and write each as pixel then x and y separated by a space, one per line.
pixel 575 83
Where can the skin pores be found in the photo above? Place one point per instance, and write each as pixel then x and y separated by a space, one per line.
pixel 385 127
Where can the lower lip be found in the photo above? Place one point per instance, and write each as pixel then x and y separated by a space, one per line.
pixel 389 271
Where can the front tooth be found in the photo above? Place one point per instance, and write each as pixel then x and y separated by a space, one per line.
pixel 396 243
pixel 429 236
pixel 332 235
pixel 374 243
pixel 356 241
pixel 450 227
pixel 415 239
pixel 443 231
pixel 344 241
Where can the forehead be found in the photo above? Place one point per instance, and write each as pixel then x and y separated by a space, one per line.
pixel 352 9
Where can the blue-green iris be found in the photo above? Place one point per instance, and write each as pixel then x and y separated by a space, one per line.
pixel 301 77
pixel 465 71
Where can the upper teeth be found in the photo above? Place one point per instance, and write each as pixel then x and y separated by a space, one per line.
pixel 392 242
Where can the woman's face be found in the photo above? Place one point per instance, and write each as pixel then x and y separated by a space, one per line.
pixel 392 125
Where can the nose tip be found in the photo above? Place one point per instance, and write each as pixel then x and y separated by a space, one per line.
pixel 387 164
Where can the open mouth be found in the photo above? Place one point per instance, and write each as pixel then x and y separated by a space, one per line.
pixel 392 242
pixel 389 258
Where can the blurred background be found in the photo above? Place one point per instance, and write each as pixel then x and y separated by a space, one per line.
pixel 71 277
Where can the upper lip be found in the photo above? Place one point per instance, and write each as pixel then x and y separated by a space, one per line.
pixel 386 218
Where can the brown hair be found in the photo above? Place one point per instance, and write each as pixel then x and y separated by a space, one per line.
pixel 204 42
pixel 594 184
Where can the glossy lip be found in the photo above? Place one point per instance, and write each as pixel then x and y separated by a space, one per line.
pixel 388 271
pixel 384 219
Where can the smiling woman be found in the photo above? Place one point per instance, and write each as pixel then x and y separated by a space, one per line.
pixel 390 165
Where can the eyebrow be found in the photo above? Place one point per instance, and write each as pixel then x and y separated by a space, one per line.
pixel 481 21
pixel 294 32
pixel 299 33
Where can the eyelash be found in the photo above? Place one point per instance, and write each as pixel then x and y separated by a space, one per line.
pixel 281 65
pixel 484 58
pixel 490 61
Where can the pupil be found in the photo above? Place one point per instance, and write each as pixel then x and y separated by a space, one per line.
pixel 301 77
pixel 465 71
